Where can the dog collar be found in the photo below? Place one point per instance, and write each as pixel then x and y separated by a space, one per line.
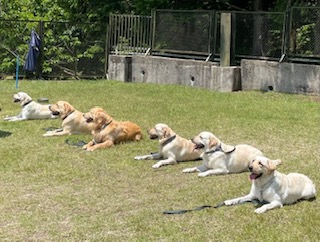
pixel 27 103
pixel 219 149
pixel 105 125
pixel 68 115
pixel 169 140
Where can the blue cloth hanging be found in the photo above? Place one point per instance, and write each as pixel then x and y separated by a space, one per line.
pixel 33 53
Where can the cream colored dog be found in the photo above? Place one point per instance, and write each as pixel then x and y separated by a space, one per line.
pixel 30 109
pixel 108 132
pixel 73 121
pixel 172 147
pixel 274 187
pixel 219 158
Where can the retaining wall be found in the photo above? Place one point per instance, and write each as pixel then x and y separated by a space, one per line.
pixel 252 75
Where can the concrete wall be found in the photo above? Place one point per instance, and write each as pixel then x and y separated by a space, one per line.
pixel 253 74
pixel 152 69
pixel 281 77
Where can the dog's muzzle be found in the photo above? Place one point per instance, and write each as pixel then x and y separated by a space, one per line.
pixel 197 145
pixel 153 136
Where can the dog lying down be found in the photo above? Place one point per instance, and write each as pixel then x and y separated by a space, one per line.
pixel 274 187
pixel 30 109
pixel 219 158
pixel 73 121
pixel 108 132
pixel 172 147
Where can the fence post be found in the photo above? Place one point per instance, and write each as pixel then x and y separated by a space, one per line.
pixel 39 66
pixel 107 46
pixel 226 40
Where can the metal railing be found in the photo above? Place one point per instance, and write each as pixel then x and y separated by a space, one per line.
pixel 129 34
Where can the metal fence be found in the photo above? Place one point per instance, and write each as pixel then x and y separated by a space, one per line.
pixel 290 36
pixel 183 32
pixel 304 30
pixel 255 34
pixel 80 50
pixel 129 34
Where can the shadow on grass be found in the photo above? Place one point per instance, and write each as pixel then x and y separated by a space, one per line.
pixel 4 134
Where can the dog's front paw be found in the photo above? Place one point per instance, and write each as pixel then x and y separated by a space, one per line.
pixel 228 202
pixel 202 174
pixel 188 170
pixel 138 158
pixel 84 147
pixel 156 166
pixel 260 210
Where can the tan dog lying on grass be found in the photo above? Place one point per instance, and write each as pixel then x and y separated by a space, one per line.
pixel 274 187
pixel 30 109
pixel 219 158
pixel 108 132
pixel 73 121
pixel 172 147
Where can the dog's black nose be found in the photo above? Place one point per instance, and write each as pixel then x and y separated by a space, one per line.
pixel 250 168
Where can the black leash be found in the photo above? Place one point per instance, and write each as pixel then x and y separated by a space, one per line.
pixel 181 211
pixel 79 143
pixel 52 128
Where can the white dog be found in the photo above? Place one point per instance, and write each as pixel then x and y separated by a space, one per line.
pixel 219 158
pixel 172 147
pixel 274 187
pixel 30 109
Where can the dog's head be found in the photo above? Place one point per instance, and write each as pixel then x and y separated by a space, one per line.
pixel 160 131
pixel 61 108
pixel 98 116
pixel 261 167
pixel 208 141
pixel 22 98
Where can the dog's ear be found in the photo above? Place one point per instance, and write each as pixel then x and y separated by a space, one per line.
pixel 227 148
pixel 165 135
pixel 101 117
pixel 273 164
pixel 25 98
pixel 166 132
pixel 213 142
pixel 67 107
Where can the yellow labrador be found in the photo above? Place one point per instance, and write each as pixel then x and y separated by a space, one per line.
pixel 276 188
pixel 30 109
pixel 73 121
pixel 172 147
pixel 219 158
pixel 108 132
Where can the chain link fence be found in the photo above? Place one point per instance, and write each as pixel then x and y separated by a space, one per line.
pixel 255 34
pixel 183 32
pixel 304 32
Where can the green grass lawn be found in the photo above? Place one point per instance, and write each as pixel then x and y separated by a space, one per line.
pixel 51 191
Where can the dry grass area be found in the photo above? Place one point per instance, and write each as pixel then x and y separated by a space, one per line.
pixel 51 191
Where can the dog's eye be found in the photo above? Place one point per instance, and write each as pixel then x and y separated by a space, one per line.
pixel 260 163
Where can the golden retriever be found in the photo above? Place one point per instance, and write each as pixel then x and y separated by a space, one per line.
pixel 30 109
pixel 172 147
pixel 274 187
pixel 108 132
pixel 219 158
pixel 73 121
